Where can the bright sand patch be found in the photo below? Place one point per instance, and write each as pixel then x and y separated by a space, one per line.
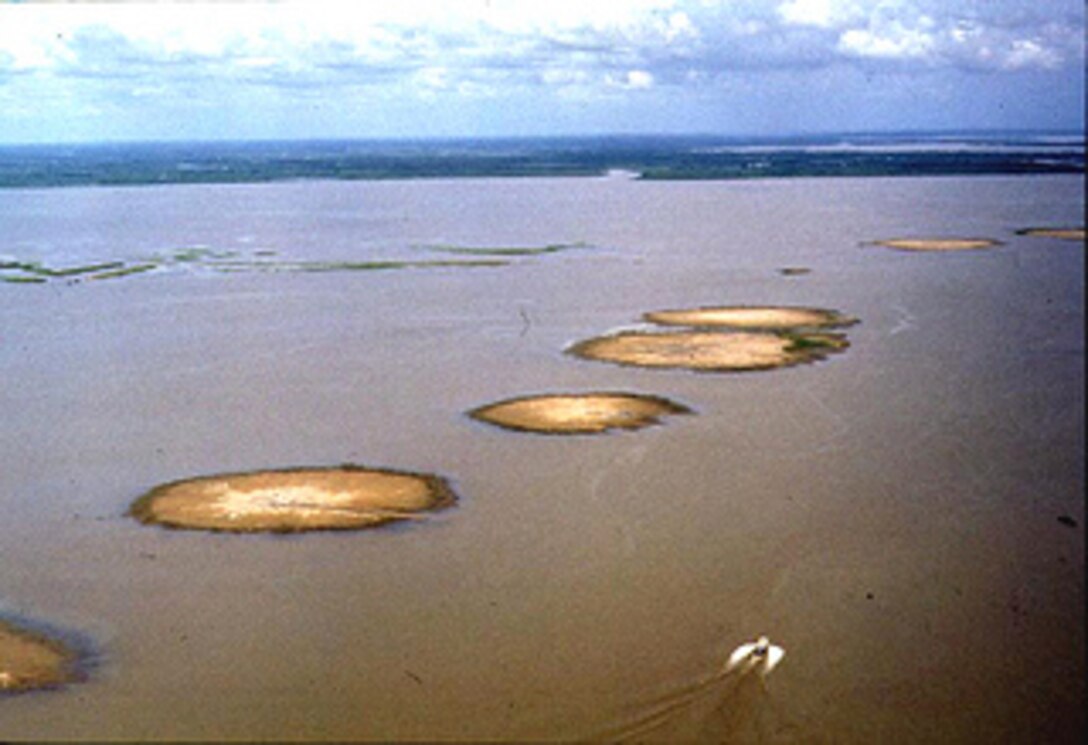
pixel 938 244
pixel 30 661
pixel 710 351
pixel 1065 234
pixel 585 413
pixel 345 498
pixel 752 317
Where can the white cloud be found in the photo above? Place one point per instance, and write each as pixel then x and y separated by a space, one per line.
pixel 669 40
pixel 639 79
pixel 961 41
pixel 892 42
pixel 1028 53
pixel 79 57
pixel 808 12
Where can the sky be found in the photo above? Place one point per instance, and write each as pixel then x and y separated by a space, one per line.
pixel 79 72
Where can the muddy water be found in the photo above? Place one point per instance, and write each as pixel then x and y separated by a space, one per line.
pixel 889 516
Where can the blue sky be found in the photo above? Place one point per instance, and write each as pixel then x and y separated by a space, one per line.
pixel 425 68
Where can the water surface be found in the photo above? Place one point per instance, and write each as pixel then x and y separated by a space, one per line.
pixel 889 516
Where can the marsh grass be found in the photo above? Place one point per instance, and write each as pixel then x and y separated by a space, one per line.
pixel 124 271
pixel 37 273
pixel 23 280
pixel 40 270
pixel 814 342
pixel 198 254
pixel 505 250
pixel 344 266
pixel 223 262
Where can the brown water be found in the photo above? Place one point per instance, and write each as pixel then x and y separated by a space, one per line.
pixel 889 516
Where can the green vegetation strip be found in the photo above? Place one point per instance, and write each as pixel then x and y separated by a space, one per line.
pixel 506 250
pixel 232 262
pixel 125 271
pixel 18 280
pixel 342 266
pixel 19 272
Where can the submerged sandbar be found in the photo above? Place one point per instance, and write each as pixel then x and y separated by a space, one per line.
pixel 710 351
pixel 938 244
pixel 31 661
pixel 751 317
pixel 294 500
pixel 578 413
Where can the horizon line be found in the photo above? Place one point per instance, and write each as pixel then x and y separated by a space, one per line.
pixel 585 136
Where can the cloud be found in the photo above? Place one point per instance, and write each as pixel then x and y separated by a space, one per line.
pixel 108 56
pixel 961 42
pixel 891 40
pixel 671 40
pixel 820 13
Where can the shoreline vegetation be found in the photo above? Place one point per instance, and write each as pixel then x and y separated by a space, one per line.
pixel 649 158
pixel 202 258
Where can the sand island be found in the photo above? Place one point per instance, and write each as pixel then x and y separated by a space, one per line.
pixel 31 661
pixel 751 317
pixel 937 244
pixel 294 500
pixel 578 413
pixel 1065 234
pixel 710 351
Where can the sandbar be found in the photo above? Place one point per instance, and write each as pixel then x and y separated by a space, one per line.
pixel 1065 234
pixel 293 500
pixel 30 661
pixel 708 351
pixel 751 317
pixel 938 244
pixel 578 413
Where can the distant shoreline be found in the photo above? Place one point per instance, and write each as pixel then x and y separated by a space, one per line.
pixel 646 158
